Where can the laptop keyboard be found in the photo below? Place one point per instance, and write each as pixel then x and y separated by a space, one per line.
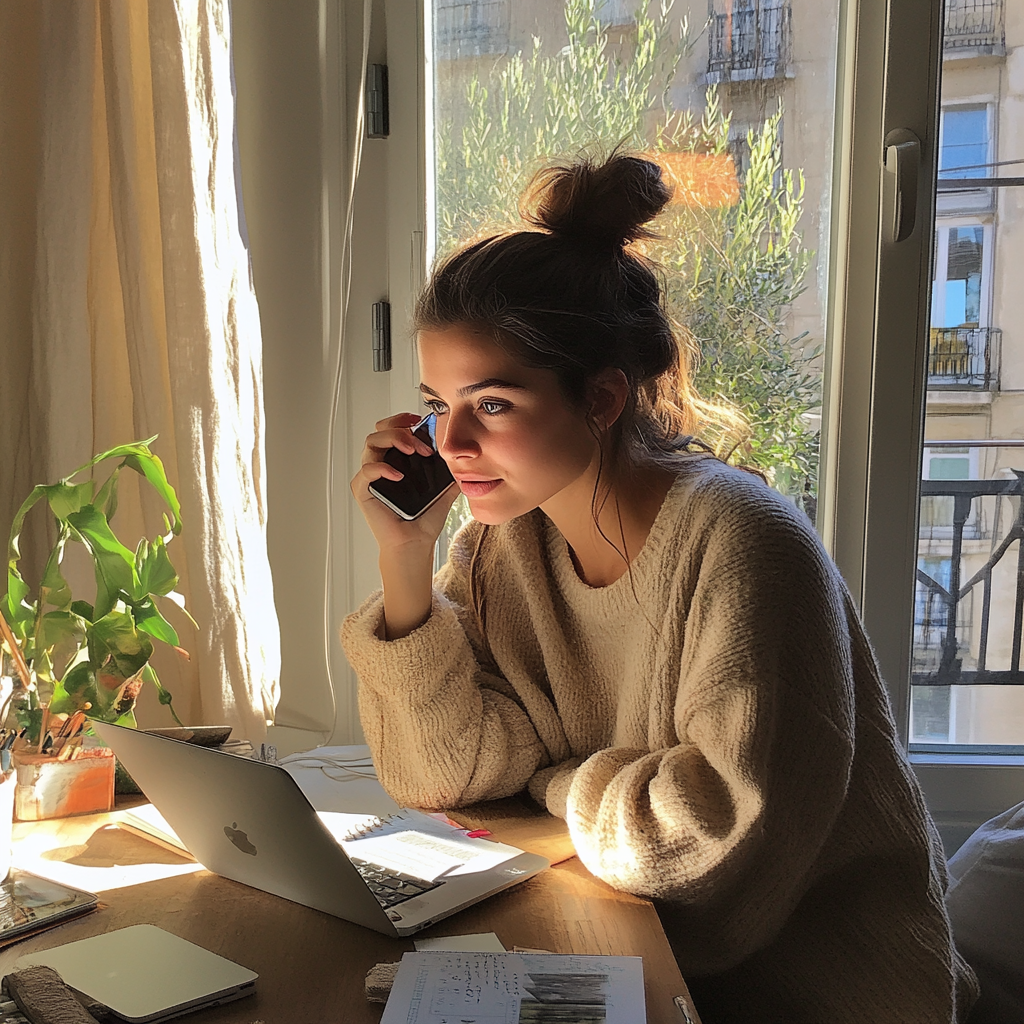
pixel 390 887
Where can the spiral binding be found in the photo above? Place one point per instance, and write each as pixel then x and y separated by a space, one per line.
pixel 375 824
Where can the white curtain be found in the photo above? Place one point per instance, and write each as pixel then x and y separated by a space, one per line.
pixel 143 317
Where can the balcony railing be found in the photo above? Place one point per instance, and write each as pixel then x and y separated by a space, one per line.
pixel 974 24
pixel 939 652
pixel 964 357
pixel 470 29
pixel 749 42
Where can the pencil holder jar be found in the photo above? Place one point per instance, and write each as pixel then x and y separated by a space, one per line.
pixel 52 788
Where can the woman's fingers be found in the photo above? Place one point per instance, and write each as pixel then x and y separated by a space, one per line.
pixel 379 442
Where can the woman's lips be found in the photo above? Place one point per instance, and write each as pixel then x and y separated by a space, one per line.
pixel 477 488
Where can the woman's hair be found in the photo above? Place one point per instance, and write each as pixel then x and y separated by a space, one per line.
pixel 577 298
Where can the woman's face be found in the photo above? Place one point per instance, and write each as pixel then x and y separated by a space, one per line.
pixel 506 431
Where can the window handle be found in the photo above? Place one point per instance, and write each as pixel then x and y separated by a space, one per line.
pixel 902 162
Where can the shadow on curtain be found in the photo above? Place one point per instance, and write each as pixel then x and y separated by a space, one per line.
pixel 130 312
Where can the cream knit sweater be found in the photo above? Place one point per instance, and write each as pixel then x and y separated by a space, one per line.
pixel 719 741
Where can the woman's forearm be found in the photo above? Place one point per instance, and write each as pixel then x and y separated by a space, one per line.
pixel 406 575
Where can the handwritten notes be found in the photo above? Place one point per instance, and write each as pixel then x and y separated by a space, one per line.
pixel 511 988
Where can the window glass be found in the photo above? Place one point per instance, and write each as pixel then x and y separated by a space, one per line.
pixel 970 594
pixel 963 149
pixel 704 91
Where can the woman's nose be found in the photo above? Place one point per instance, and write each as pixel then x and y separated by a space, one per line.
pixel 456 437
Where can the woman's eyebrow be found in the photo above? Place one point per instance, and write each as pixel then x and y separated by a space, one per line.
pixel 481 385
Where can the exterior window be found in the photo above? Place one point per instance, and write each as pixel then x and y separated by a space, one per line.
pixel 964 142
pixel 614 12
pixel 470 29
pixel 931 707
pixel 957 284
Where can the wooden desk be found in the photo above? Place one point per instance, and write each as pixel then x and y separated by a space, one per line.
pixel 312 965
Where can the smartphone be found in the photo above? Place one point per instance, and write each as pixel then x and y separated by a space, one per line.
pixel 426 476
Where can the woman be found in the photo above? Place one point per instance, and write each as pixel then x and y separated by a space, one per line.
pixel 649 641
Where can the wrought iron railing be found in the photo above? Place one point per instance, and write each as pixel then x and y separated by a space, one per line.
pixel 944 664
pixel 964 357
pixel 973 23
pixel 749 40
pixel 471 29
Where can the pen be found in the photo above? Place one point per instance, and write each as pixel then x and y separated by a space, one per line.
pixel 684 1009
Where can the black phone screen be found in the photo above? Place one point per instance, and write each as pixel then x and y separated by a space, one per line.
pixel 425 478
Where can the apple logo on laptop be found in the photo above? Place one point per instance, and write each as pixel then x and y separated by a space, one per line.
pixel 239 838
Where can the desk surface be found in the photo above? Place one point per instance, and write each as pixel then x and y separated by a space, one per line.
pixel 312 965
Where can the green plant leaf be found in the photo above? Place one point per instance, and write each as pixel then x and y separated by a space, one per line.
pixel 106 498
pixel 116 648
pixel 179 600
pixel 122 451
pixel 84 609
pixel 149 620
pixel 75 690
pixel 114 564
pixel 156 574
pixel 53 588
pixel 127 720
pixel 57 626
pixel 65 498
pixel 152 469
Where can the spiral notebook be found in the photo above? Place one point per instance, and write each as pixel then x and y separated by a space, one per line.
pixel 412 842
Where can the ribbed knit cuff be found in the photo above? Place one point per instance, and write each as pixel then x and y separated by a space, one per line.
pixel 410 663
pixel 550 786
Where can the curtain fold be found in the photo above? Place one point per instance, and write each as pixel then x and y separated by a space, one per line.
pixel 144 321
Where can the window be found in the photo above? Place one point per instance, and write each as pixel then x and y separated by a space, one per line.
pixel 470 29
pixel 959 293
pixel 964 142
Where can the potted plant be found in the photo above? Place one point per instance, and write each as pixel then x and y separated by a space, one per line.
pixel 94 657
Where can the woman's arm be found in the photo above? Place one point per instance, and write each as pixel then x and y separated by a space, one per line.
pixel 729 820
pixel 444 727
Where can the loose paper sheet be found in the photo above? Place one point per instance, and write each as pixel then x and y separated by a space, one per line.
pixel 510 988
pixel 480 942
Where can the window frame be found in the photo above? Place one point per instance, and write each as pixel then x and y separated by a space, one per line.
pixel 888 67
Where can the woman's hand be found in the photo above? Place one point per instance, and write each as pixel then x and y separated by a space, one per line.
pixel 406 548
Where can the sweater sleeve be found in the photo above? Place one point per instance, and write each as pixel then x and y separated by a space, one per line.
pixel 445 729
pixel 728 819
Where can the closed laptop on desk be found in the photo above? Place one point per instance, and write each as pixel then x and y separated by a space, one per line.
pixel 249 821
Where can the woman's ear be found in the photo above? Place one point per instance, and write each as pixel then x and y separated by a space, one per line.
pixel 607 394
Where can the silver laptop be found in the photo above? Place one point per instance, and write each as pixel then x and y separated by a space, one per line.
pixel 249 821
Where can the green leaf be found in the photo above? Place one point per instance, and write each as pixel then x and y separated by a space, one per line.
pixel 127 720
pixel 65 498
pixel 114 564
pixel 84 609
pixel 75 690
pixel 122 451
pixel 53 588
pixel 149 620
pixel 116 648
pixel 152 469
pixel 57 626
pixel 156 574
pixel 106 499
pixel 178 599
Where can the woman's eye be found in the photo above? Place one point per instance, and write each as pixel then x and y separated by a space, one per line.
pixel 436 407
pixel 493 408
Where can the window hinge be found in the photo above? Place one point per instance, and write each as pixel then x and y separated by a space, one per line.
pixel 377 119
pixel 381 336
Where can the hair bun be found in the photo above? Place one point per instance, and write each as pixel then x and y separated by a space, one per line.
pixel 606 205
